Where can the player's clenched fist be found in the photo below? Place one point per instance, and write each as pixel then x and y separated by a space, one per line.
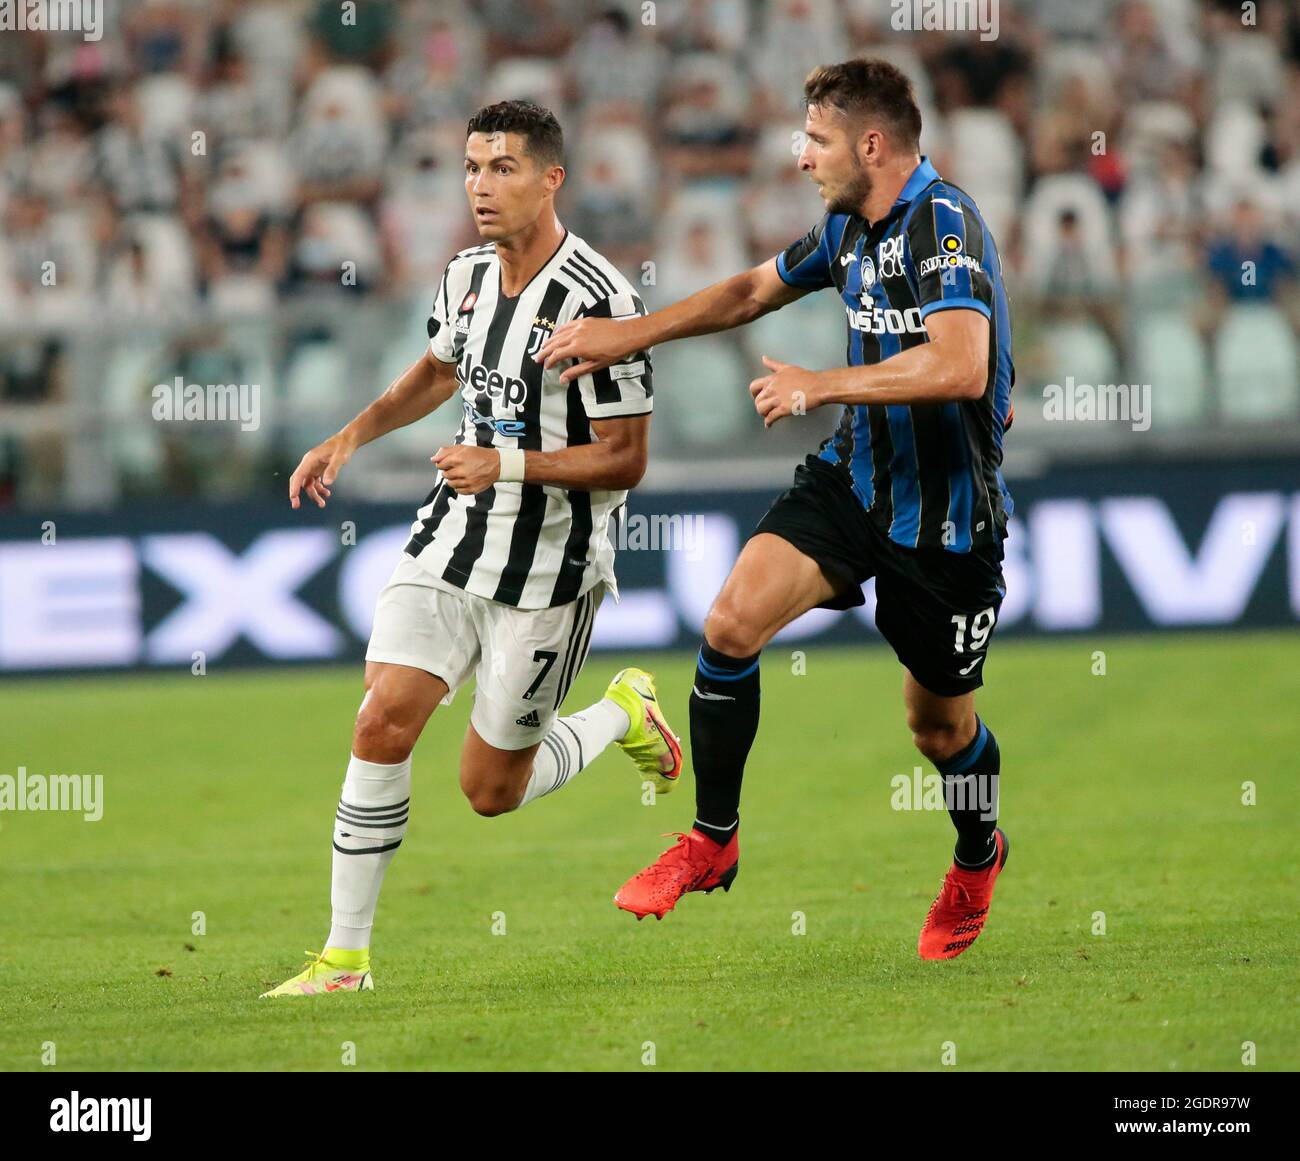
pixel 316 472
pixel 469 470
pixel 789 390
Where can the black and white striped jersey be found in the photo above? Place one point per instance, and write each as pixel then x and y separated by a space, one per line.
pixel 527 545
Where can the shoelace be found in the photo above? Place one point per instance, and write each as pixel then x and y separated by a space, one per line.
pixel 316 957
pixel 958 888
pixel 660 870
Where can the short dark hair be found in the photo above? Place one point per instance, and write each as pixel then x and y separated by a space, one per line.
pixel 868 87
pixel 543 137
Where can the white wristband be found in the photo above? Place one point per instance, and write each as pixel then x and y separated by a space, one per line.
pixel 512 465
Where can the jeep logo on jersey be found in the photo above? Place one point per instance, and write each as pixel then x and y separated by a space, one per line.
pixel 871 321
pixel 510 391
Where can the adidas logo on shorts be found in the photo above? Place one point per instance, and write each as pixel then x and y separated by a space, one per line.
pixel 529 719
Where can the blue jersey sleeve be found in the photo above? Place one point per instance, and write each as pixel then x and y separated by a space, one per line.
pixel 946 260
pixel 807 262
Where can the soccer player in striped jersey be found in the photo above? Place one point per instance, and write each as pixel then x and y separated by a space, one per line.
pixel 908 490
pixel 510 554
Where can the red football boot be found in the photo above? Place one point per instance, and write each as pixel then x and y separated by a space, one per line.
pixel 695 863
pixel 957 916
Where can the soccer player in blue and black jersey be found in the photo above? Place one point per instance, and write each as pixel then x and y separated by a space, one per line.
pixel 908 490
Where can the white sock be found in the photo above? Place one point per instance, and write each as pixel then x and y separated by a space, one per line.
pixel 368 829
pixel 574 743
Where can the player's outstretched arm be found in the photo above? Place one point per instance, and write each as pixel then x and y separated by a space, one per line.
pixel 597 343
pixel 952 366
pixel 425 385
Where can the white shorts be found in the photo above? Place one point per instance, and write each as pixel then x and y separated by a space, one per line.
pixel 523 660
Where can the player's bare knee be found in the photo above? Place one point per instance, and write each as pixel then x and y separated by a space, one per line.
pixel 491 801
pixel 728 631
pixel 381 735
pixel 938 741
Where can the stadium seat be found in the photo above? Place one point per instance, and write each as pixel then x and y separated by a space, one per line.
pixel 251 342
pixel 1040 223
pixel 170 253
pixel 1233 140
pixel 1151 123
pixel 316 393
pixel 267 179
pixel 987 161
pixel 629 154
pixel 526 77
pixel 1066 60
pixel 131 370
pixel 426 435
pixel 1172 358
pixel 708 379
pixel 715 205
pixel 1255 365
pixel 165 101
pixel 1247 68
pixel 353 89
pixel 1080 348
pixel 808 332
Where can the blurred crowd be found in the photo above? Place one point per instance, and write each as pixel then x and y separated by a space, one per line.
pixel 210 161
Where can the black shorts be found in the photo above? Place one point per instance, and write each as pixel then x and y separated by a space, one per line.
pixel 936 608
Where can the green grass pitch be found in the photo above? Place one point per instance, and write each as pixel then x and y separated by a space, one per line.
pixel 1122 795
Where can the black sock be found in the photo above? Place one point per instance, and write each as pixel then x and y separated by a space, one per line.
pixel 719 834
pixel 724 720
pixel 970 784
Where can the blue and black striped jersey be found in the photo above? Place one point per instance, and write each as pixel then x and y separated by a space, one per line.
pixel 928 473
